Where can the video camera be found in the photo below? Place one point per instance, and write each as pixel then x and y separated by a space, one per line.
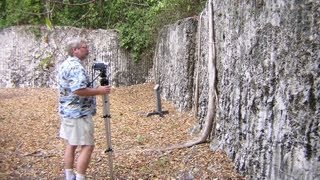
pixel 100 66
pixel 104 73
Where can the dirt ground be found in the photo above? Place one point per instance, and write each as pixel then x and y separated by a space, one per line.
pixel 31 149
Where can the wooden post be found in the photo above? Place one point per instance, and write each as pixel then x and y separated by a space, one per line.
pixel 159 109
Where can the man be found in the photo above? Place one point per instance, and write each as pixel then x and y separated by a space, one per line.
pixel 76 108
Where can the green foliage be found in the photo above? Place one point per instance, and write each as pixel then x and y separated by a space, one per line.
pixel 20 12
pixel 137 21
pixel 36 31
pixel 3 15
pixel 140 21
pixel 48 23
pixel 46 63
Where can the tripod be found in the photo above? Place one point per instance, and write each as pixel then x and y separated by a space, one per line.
pixel 106 115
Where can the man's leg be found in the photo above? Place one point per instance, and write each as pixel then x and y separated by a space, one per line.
pixel 69 155
pixel 84 159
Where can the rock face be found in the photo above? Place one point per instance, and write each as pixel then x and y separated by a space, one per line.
pixel 268 67
pixel 268 85
pixel 174 62
pixel 30 56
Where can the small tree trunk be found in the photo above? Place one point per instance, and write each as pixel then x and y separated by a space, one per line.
pixel 209 121
pixel 196 89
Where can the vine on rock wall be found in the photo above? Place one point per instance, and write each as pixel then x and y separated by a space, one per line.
pixel 213 99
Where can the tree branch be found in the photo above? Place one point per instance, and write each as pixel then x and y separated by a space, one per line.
pixel 31 13
pixel 83 16
pixel 137 4
pixel 80 4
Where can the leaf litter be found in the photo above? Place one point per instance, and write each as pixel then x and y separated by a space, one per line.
pixel 30 147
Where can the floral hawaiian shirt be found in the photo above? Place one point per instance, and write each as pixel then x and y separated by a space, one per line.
pixel 71 77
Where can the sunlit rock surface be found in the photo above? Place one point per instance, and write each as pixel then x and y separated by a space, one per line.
pixel 268 67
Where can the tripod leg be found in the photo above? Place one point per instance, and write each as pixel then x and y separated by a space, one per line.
pixel 106 115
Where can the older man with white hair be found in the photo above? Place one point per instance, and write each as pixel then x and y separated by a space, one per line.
pixel 77 105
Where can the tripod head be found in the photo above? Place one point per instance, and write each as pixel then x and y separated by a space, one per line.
pixel 104 80
pixel 104 73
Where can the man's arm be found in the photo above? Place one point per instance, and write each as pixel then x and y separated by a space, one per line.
pixel 101 90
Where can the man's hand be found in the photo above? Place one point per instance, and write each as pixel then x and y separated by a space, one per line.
pixel 102 90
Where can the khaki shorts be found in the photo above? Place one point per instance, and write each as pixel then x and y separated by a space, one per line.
pixel 77 131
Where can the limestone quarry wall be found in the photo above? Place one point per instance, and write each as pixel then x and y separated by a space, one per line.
pixel 268 67
pixel 30 55
pixel 174 62
pixel 267 63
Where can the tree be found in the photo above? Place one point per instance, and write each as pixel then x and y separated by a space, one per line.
pixel 212 103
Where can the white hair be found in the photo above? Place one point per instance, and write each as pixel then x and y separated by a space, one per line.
pixel 74 43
